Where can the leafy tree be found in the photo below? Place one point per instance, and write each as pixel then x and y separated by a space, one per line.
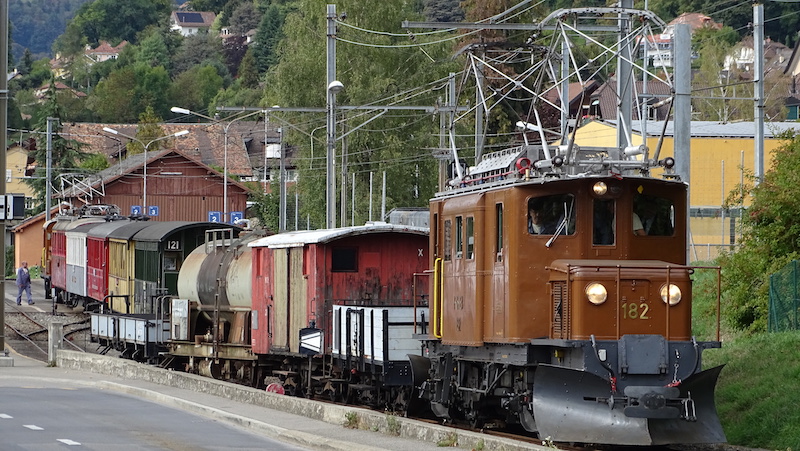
pixel 443 10
pixel 234 50
pixel 244 18
pixel 147 131
pixel 236 95
pixel 128 91
pixel 95 162
pixel 268 35
pixel 153 51
pixel 248 72
pixel 200 48
pixel 26 65
pixel 770 231
pixel 195 88
pixel 208 5
pixel 115 21
pixel 66 153
pixel 397 143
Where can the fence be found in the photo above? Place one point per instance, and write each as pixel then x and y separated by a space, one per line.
pixel 784 298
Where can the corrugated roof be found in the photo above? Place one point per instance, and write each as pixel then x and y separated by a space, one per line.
pixel 716 129
pixel 304 237
pixel 205 142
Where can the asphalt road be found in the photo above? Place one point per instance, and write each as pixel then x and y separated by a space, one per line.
pixel 37 416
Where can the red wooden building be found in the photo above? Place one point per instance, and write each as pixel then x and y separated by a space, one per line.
pixel 179 188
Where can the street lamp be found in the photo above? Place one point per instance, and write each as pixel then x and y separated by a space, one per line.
pixel 146 146
pixel 225 128
pixel 334 87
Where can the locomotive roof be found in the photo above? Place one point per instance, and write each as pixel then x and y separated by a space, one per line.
pixel 304 237
pixel 157 231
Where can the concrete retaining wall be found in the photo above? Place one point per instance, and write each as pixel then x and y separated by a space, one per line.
pixel 329 413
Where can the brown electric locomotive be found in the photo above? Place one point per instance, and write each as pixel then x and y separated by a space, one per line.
pixel 562 301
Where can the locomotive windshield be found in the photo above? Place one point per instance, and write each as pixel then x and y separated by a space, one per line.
pixel 651 216
pixel 656 216
pixel 551 215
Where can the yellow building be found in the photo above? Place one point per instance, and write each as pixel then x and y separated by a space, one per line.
pixel 718 154
pixel 17 162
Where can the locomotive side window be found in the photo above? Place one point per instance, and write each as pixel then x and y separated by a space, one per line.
pixel 344 259
pixel 448 240
pixel 498 227
pixel 459 236
pixel 604 222
pixel 470 238
pixel 656 216
pixel 551 215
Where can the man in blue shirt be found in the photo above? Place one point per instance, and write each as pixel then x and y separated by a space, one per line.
pixel 24 283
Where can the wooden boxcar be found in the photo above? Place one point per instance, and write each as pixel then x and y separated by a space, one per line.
pixel 299 276
pixel 121 253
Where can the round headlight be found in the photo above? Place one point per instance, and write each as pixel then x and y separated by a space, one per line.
pixel 596 293
pixel 671 295
pixel 600 188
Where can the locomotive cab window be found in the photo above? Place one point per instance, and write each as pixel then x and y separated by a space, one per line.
pixel 551 215
pixel 604 222
pixel 653 216
pixel 344 259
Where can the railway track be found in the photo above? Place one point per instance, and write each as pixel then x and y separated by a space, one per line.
pixel 27 332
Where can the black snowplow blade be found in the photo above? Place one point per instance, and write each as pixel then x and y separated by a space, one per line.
pixel 566 409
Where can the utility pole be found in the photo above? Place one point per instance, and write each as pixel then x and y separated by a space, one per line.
pixel 758 79
pixel 330 90
pixel 5 360
pixel 49 173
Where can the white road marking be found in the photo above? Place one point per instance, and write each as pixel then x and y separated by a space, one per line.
pixel 33 427
pixel 5 416
pixel 69 442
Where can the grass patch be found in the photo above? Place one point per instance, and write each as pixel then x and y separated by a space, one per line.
pixel 448 442
pixel 393 425
pixel 759 390
pixel 351 420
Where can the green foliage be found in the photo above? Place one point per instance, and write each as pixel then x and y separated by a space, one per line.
pixel 704 302
pixel 148 131
pixel 770 238
pixel 10 270
pixel 128 91
pixel 115 21
pixel 195 88
pixel 758 390
pixel 723 102
pixel 153 51
pixel 397 143
pixel 268 35
pixel 35 24
pixel 66 154
pixel 266 207
pixel 200 48
pixel 95 162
